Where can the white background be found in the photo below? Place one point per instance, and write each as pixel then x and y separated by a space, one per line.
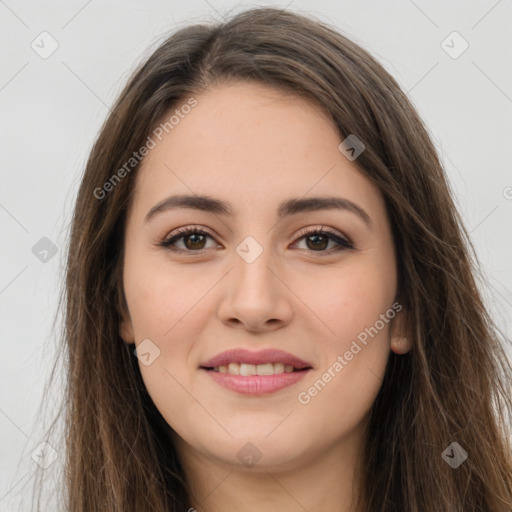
pixel 51 110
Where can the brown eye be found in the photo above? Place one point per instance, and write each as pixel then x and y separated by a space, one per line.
pixel 194 240
pixel 318 241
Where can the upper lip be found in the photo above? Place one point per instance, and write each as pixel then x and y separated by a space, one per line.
pixel 260 357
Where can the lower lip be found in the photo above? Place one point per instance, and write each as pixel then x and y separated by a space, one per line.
pixel 256 384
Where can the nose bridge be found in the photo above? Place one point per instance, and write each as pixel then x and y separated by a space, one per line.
pixel 254 294
pixel 252 261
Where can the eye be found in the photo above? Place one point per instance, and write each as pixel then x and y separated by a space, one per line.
pixel 317 240
pixel 194 240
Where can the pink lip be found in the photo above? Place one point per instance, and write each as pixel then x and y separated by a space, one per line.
pixel 256 384
pixel 261 357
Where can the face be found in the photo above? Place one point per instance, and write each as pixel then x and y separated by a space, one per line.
pixel 299 280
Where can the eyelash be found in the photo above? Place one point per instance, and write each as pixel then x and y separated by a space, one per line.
pixel 344 244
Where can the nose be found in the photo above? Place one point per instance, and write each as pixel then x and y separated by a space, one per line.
pixel 255 296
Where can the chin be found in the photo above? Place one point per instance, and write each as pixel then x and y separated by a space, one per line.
pixel 257 453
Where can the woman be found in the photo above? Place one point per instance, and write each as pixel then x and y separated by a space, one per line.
pixel 271 299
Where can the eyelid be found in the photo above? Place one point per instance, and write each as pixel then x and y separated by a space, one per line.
pixel 324 229
pixel 342 240
pixel 180 233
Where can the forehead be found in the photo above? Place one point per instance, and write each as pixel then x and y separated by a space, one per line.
pixel 255 146
pixel 248 122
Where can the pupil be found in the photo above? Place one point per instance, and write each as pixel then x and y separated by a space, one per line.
pixel 194 242
pixel 315 243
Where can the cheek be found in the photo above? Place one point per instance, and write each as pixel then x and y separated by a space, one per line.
pixel 351 298
pixel 355 302
pixel 161 297
pixel 168 308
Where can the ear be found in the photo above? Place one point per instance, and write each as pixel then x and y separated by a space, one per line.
pixel 126 329
pixel 401 339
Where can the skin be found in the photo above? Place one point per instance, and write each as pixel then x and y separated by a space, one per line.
pixel 253 147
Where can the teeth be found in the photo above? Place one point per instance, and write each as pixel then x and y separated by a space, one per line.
pixel 233 369
pixel 247 369
pixel 254 369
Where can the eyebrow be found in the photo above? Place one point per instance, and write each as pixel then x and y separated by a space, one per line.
pixel 286 208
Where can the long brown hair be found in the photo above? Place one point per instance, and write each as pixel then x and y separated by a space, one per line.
pixel 455 384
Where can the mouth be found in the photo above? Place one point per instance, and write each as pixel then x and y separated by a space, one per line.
pixel 246 370
pixel 255 373
pixel 263 362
